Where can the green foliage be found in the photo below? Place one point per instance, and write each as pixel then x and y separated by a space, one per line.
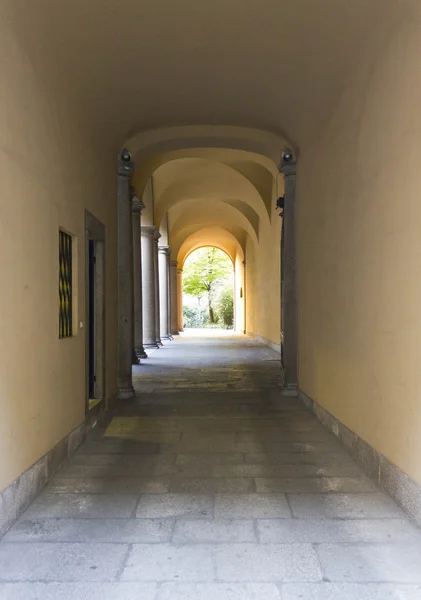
pixel 226 307
pixel 205 271
pixel 194 318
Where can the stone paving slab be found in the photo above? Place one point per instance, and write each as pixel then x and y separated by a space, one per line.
pixel 396 562
pixel 60 562
pixel 116 471
pixel 199 506
pixel 218 591
pixel 309 485
pixel 82 505
pixel 117 447
pixel 286 470
pixel 235 485
pixel 255 506
pixel 346 591
pixel 345 506
pixel 120 460
pixel 271 562
pixel 280 447
pixel 78 591
pixel 168 562
pixel 122 485
pixel 130 434
pixel 335 530
pixel 126 531
pixel 200 460
pixel 215 531
pixel 284 435
pixel 306 458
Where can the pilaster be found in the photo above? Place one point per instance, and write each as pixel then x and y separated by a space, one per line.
pixel 125 170
pixel 289 341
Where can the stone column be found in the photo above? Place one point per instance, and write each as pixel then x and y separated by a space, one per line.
pixel 125 277
pixel 137 207
pixel 157 236
pixel 180 299
pixel 289 323
pixel 173 298
pixel 164 293
pixel 148 287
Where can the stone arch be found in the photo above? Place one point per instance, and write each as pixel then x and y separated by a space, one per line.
pixel 211 236
pixel 187 178
pixel 194 215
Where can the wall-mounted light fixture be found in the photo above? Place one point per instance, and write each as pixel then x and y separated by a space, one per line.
pixel 287 155
pixel 125 156
pixel 280 204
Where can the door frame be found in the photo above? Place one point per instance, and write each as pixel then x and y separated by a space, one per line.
pixel 95 231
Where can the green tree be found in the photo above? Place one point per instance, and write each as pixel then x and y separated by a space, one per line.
pixel 226 307
pixel 204 272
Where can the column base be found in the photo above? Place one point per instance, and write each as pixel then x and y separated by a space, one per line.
pixel 159 343
pixel 140 352
pixel 135 358
pixel 175 332
pixel 151 345
pixel 126 393
pixel 166 337
pixel 289 389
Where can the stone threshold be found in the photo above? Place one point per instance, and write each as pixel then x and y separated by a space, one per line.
pixel 16 498
pixel 396 483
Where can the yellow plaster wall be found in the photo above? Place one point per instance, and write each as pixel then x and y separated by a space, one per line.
pixel 263 285
pixel 359 255
pixel 239 292
pixel 49 174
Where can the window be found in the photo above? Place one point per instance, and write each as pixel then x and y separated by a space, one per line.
pixel 65 285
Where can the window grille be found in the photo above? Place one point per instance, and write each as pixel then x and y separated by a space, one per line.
pixel 65 285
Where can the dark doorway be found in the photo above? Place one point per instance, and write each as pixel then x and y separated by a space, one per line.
pixel 94 313
pixel 92 318
pixel 282 290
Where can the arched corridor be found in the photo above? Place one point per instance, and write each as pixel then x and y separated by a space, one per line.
pixel 286 134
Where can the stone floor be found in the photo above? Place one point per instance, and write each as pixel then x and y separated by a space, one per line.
pixel 211 486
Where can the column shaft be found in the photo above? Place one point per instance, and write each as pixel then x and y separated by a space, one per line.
pixel 180 299
pixel 173 298
pixel 148 287
pixel 288 299
pixel 137 206
pixel 125 277
pixel 157 235
pixel 164 296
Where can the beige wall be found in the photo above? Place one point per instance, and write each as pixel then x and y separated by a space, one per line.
pixel 263 282
pixel 359 255
pixel 49 174
pixel 239 292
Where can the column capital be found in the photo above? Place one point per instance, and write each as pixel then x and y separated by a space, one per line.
pixel 156 235
pixel 125 165
pixel 147 230
pixel 137 206
pixel 173 263
pixel 288 164
pixel 164 250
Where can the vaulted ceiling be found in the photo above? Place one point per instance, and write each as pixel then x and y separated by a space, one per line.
pixel 205 94
pixel 136 65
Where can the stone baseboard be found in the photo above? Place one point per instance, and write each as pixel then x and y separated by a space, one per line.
pixel 19 494
pixel 263 340
pixel 395 482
